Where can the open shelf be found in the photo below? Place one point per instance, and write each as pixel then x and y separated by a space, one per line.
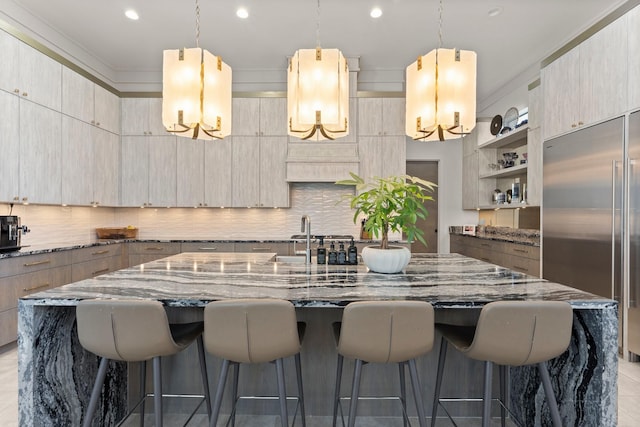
pixel 507 172
pixel 515 138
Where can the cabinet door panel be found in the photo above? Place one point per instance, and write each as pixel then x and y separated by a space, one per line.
pixel 393 116
pixel 561 89
pixel 246 116
pixel 190 179
pixel 40 78
pixel 274 189
pixel 393 155
pixel 633 61
pixel 370 116
pixel 40 152
pixel 77 162
pixel 246 171
pixel 106 168
pixel 273 116
pixel 162 171
pixel 370 161
pixel 134 187
pixel 134 113
pixel 154 117
pixel 218 183
pixel 9 66
pixel 77 96
pixel 9 145
pixel 107 109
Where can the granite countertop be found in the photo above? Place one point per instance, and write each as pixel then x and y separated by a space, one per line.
pixel 505 234
pixel 194 279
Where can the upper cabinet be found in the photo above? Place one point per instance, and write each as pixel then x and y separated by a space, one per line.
pixel 28 73
pixel 142 116
pixel 381 116
pixel 589 83
pixel 86 101
pixel 634 53
pixel 259 117
pixel 10 145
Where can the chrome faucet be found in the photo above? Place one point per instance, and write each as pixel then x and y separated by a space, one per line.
pixel 306 226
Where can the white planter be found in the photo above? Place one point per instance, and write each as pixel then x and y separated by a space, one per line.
pixel 392 260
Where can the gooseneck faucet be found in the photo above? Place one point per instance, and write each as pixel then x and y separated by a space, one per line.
pixel 306 226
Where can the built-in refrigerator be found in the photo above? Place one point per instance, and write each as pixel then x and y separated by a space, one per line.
pixel 590 215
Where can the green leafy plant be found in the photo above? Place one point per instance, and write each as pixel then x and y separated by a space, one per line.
pixel 393 203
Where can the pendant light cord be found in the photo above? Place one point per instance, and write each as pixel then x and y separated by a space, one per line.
pixel 197 24
pixel 440 24
pixel 318 25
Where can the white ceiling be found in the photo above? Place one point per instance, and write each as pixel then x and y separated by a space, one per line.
pixel 97 36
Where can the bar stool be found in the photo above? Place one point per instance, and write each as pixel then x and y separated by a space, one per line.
pixel 384 332
pixel 253 331
pixel 135 331
pixel 510 333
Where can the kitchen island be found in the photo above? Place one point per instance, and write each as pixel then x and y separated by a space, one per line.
pixel 56 374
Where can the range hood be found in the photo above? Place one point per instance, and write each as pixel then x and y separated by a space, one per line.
pixel 321 162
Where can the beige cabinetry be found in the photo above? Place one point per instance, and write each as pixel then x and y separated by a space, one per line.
pixel 23 275
pixel 142 116
pixel 633 76
pixel 259 117
pixel 29 74
pixel 518 257
pixel 10 146
pixel 141 252
pixel 208 247
pixel 94 261
pixel 259 171
pixel 190 172
pixel 381 116
pixel 281 248
pixel 148 175
pixel 575 89
pixel 217 173
pixel 90 164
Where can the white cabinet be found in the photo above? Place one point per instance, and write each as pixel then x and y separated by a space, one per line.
pixel 382 156
pixel 634 54
pixel 90 164
pixel 142 116
pixel 29 74
pixel 575 90
pixel 259 173
pixel 40 154
pixel 190 172
pixel 9 146
pixel 86 101
pixel 148 171
pixel 259 117
pixel 217 173
pixel 381 116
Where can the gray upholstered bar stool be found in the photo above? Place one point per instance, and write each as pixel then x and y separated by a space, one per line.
pixel 253 331
pixel 510 333
pixel 384 332
pixel 135 331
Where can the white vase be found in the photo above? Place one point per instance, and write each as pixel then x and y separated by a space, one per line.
pixel 392 260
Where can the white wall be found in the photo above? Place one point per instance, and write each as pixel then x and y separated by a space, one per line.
pixel 448 154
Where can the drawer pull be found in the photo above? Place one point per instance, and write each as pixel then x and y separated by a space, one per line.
pixel 46 285
pixel 104 270
pixel 517 267
pixel 33 264
pixel 105 251
pixel 207 249
pixel 485 259
pixel 260 249
pixel 153 249
pixel 521 250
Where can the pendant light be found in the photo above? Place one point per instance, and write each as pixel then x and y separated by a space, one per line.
pixel 196 92
pixel 441 93
pixel 318 92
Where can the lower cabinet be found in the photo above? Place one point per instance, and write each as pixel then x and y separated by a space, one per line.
pixel 517 257
pixel 140 252
pixel 94 261
pixel 281 248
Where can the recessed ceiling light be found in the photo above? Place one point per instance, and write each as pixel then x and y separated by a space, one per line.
pixel 376 12
pixel 242 13
pixel 495 11
pixel 131 14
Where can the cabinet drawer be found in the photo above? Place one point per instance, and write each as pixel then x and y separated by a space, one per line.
pixel 208 247
pixel 279 248
pixel 532 252
pixel 8 326
pixel 523 265
pixel 14 287
pixel 27 264
pixel 160 248
pixel 93 268
pixel 95 252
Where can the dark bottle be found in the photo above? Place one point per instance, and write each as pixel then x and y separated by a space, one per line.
pixel 342 255
pixel 352 254
pixel 333 255
pixel 322 252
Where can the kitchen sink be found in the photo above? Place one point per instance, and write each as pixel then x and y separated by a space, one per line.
pixel 291 258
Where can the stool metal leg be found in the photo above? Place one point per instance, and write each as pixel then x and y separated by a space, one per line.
pixel 403 393
pixel 143 389
pixel 282 392
pixel 355 392
pixel 436 396
pixel 215 412
pixel 486 394
pixel 95 393
pixel 234 391
pixel 503 394
pixel 157 390
pixel 548 391
pixel 300 389
pixel 336 394
pixel 417 393
pixel 205 376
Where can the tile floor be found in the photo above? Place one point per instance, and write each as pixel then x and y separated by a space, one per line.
pixel 628 398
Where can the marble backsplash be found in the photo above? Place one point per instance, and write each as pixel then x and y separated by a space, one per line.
pixel 321 201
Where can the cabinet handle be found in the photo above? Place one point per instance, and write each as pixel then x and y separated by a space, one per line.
pixel 521 250
pixel 207 249
pixel 580 123
pixel 105 251
pixel 485 259
pixel 16 90
pixel 104 270
pixel 25 94
pixel 260 249
pixel 46 285
pixel 151 248
pixel 33 264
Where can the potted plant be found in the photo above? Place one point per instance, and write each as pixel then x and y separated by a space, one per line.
pixel 394 204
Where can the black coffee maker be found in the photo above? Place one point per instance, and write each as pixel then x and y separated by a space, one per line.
pixel 10 232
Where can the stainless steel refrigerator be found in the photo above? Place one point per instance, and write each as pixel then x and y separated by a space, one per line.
pixel 590 208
